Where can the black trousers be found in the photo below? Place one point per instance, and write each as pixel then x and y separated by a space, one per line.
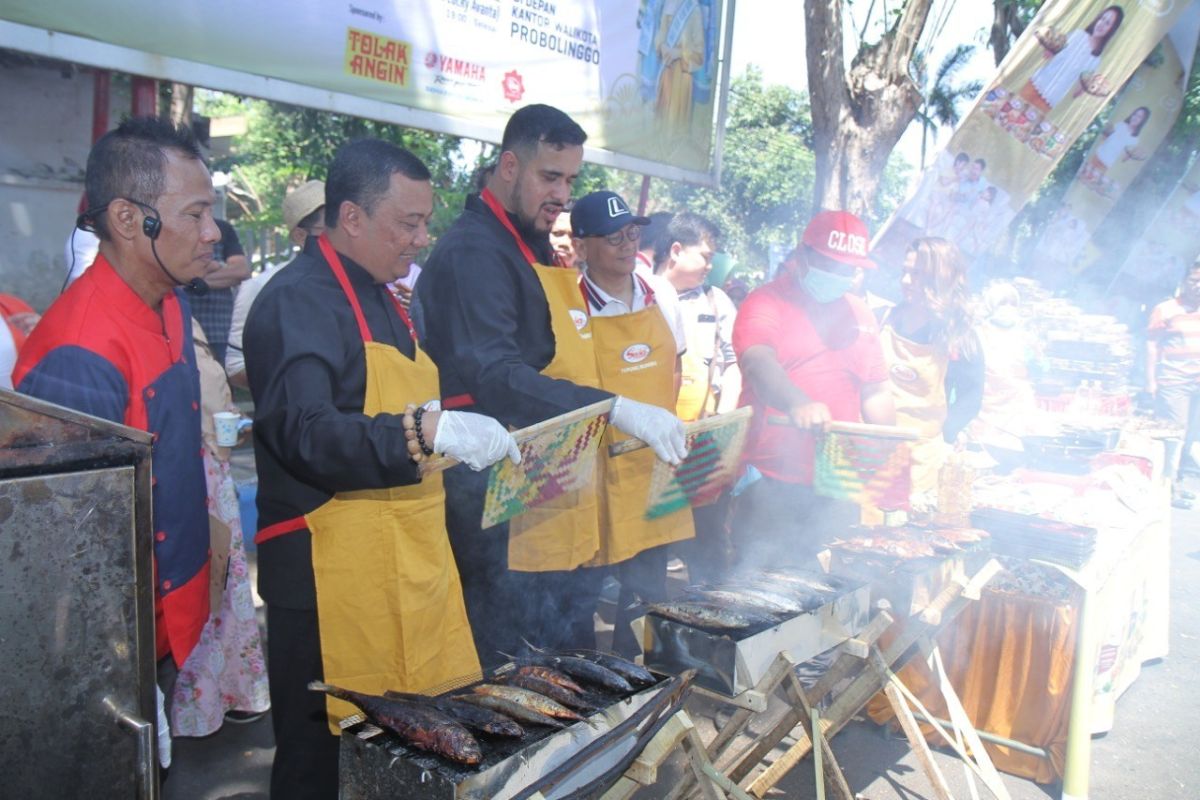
pixel 492 593
pixel 306 755
pixel 559 608
pixel 708 555
pixel 644 578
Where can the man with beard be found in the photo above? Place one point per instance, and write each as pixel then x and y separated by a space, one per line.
pixel 511 338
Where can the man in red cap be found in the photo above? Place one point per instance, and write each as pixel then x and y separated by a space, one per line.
pixel 809 350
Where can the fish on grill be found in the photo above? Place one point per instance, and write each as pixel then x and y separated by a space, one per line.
pixel 804 582
pixel 552 690
pixel 711 615
pixel 580 669
pixel 551 675
pixel 421 726
pixel 636 674
pixel 473 717
pixel 509 709
pixel 529 699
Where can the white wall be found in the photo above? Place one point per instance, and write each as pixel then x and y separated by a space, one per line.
pixel 45 134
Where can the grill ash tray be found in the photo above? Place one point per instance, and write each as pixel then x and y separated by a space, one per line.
pixel 734 662
pixel 375 765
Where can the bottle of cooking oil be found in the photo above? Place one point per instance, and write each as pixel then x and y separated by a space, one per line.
pixel 954 491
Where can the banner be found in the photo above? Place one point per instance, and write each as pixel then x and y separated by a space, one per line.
pixel 1139 121
pixel 1168 245
pixel 640 76
pixel 1058 76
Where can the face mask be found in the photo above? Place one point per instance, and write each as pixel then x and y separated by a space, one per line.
pixel 825 287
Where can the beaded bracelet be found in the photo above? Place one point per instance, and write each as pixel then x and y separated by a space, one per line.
pixel 409 422
pixel 425 448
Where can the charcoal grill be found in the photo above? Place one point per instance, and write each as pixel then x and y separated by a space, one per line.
pixel 578 761
pixel 734 662
pixel 909 585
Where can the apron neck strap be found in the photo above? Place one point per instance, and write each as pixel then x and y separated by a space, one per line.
pixel 496 208
pixel 339 272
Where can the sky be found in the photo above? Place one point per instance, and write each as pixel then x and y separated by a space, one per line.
pixel 774 42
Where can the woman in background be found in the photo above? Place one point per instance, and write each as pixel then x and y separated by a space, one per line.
pixel 934 358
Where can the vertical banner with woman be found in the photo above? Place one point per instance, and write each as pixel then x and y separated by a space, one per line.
pixel 1059 74
pixel 1169 244
pixel 1141 117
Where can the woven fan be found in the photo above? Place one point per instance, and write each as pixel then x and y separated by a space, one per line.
pixel 557 456
pixel 866 469
pixel 714 450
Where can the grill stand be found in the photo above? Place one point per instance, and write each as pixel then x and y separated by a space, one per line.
pixel 869 670
pixel 678 734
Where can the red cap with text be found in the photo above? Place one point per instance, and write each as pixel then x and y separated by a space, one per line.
pixel 841 236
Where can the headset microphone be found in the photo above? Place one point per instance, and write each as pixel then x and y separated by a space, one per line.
pixel 152 227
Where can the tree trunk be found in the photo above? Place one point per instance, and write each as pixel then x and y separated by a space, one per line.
pixel 1005 21
pixel 181 103
pixel 859 116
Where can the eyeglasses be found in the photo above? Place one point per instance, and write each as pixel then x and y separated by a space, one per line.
pixel 633 233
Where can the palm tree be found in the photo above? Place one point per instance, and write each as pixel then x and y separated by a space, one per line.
pixel 941 97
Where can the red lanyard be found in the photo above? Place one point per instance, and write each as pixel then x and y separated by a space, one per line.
pixel 490 200
pixel 339 272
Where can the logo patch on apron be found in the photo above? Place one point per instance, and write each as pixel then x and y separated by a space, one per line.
pixel 636 353
pixel 903 373
pixel 579 317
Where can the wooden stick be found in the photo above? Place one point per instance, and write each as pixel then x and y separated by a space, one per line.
pixel 857 428
pixel 916 741
pixel 439 463
pixel 698 426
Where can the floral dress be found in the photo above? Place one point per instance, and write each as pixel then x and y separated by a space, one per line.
pixel 226 671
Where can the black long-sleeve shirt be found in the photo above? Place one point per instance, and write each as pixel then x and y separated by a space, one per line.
pixel 307 372
pixel 486 323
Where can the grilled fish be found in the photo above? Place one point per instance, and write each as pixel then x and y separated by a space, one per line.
pixel 730 596
pixel 420 726
pixel 551 675
pixel 581 669
pixel 710 615
pixel 509 709
pixel 552 690
pixel 636 674
pixel 473 717
pixel 529 699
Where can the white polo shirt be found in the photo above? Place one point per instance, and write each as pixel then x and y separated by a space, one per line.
pixel 647 290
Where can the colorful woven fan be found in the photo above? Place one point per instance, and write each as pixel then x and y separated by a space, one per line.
pixel 557 456
pixel 863 468
pixel 714 450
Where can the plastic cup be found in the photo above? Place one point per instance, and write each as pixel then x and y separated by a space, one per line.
pixel 226 423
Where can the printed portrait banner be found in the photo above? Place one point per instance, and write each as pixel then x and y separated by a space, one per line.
pixel 1139 121
pixel 639 75
pixel 1169 244
pixel 1060 73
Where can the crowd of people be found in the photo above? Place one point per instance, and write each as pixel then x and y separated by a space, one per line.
pixel 377 576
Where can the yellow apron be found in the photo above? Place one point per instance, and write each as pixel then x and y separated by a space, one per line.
pixel 389 601
pixel 917 374
pixel 635 356
pixel 696 398
pixel 563 533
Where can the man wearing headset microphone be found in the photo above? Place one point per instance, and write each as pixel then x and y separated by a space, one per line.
pixel 117 344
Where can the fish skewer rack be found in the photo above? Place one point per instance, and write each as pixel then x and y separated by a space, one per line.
pixel 863 667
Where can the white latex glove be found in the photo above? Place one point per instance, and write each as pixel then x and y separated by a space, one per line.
pixel 655 426
pixel 474 439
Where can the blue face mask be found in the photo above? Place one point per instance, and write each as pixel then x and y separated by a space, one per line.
pixel 825 287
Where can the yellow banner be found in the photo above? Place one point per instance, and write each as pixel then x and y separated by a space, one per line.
pixel 1058 76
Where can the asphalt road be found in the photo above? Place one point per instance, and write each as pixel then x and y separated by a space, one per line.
pixel 1150 753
